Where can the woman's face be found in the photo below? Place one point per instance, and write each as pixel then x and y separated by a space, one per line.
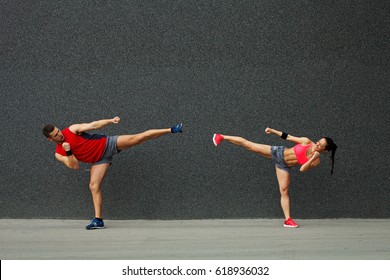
pixel 321 145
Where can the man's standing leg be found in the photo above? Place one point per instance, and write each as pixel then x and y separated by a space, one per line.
pixel 98 172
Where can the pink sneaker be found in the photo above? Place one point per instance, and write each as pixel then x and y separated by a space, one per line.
pixel 217 138
pixel 290 223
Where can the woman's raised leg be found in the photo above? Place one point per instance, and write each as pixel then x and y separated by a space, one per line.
pixel 264 150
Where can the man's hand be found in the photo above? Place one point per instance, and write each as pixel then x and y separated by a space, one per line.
pixel 116 120
pixel 268 130
pixel 69 161
pixel 66 146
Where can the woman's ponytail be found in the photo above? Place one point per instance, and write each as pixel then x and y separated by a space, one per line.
pixel 331 147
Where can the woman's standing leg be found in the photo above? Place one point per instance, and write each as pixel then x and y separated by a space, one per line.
pixel 284 185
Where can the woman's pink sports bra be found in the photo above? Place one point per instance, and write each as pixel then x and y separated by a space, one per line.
pixel 300 152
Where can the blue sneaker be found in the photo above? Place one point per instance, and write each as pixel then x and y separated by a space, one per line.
pixel 177 128
pixel 95 224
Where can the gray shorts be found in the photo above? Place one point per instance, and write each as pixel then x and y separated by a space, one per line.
pixel 278 157
pixel 109 151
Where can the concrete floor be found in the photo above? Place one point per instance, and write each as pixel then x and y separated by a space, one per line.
pixel 335 239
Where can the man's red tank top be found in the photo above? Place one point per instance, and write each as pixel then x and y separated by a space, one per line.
pixel 85 147
pixel 300 152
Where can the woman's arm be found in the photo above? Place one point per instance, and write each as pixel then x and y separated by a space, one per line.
pixel 313 162
pixel 297 140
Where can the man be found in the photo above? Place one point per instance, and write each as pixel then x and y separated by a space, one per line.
pixel 75 145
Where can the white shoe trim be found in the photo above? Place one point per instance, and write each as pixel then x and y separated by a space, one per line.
pixel 215 143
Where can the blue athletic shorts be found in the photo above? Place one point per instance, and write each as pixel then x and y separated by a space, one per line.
pixel 278 157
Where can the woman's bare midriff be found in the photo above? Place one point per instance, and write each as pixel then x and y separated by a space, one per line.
pixel 289 157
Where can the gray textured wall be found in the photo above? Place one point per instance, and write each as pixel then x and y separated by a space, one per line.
pixel 312 68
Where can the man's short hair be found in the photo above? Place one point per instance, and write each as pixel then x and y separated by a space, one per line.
pixel 49 128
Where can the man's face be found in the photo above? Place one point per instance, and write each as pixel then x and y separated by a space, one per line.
pixel 56 136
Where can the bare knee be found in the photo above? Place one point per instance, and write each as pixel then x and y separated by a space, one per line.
pixel 284 192
pixel 248 145
pixel 142 137
pixel 138 139
pixel 94 187
pixel 245 143
pixel 147 135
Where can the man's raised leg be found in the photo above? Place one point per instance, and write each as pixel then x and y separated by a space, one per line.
pixel 128 141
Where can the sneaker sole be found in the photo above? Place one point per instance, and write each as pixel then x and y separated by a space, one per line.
pixel 287 226
pixel 95 228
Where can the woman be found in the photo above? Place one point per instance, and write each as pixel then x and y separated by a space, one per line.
pixel 305 153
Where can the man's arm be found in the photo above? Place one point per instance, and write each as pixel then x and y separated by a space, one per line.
pixel 69 161
pixel 82 127
pixel 297 140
